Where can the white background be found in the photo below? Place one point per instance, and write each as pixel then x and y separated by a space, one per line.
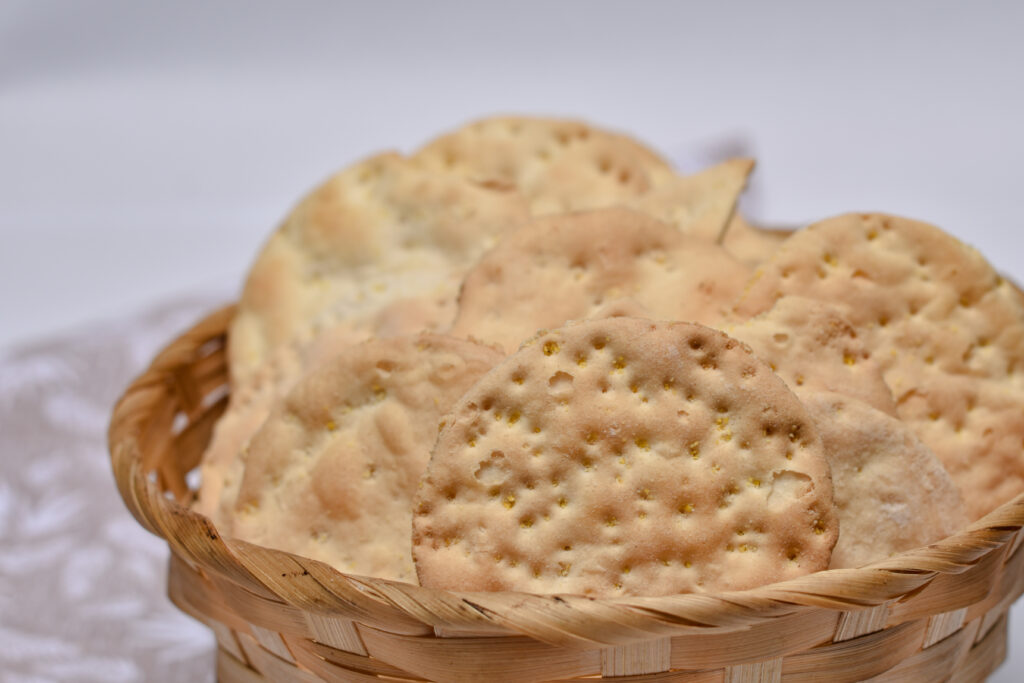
pixel 147 149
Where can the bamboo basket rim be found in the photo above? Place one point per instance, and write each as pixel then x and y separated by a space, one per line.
pixel 298 583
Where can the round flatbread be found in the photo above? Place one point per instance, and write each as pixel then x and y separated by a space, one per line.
pixel 625 457
pixel 813 347
pixel 380 231
pixel 701 205
pixel 575 266
pixel 379 249
pixel 558 165
pixel 252 399
pixel 892 494
pixel 751 244
pixel 944 327
pixel 332 472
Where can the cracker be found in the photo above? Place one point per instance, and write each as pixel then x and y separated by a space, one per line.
pixel 700 205
pixel 946 329
pixel 751 244
pixel 331 473
pixel 382 230
pixel 562 166
pixel 252 400
pixel 623 456
pixel 891 492
pixel 570 267
pixel 558 165
pixel 974 426
pixel 813 347
pixel 379 249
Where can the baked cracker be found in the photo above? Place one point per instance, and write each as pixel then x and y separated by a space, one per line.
pixel 751 244
pixel 572 267
pixel 625 457
pixel 253 398
pixel 703 204
pixel 559 165
pixel 382 230
pixel 945 328
pixel 332 472
pixel 563 166
pixel 891 492
pixel 813 347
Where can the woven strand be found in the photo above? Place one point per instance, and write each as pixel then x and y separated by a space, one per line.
pixel 938 609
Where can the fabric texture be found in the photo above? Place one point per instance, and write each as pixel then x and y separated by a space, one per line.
pixel 82 585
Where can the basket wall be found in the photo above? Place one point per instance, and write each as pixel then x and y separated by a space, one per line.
pixel 935 613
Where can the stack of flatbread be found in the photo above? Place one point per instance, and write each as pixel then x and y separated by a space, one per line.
pixel 533 356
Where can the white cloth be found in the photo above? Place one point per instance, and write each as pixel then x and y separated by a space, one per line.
pixel 82 585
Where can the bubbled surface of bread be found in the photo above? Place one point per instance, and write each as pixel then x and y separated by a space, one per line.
pixel 946 329
pixel 331 473
pixel 253 397
pixel 558 165
pixel 623 456
pixel 379 231
pixel 813 347
pixel 574 266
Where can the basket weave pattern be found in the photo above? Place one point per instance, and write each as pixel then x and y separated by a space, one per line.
pixel 931 614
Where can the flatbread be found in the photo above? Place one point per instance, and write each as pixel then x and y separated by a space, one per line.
pixel 379 231
pixel 892 494
pixel 377 250
pixel 332 472
pixel 253 399
pixel 574 266
pixel 625 457
pixel 701 205
pixel 558 165
pixel 750 244
pixel 813 347
pixel 946 329
pixel 562 166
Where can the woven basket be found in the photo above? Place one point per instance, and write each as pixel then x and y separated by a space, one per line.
pixel 931 614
